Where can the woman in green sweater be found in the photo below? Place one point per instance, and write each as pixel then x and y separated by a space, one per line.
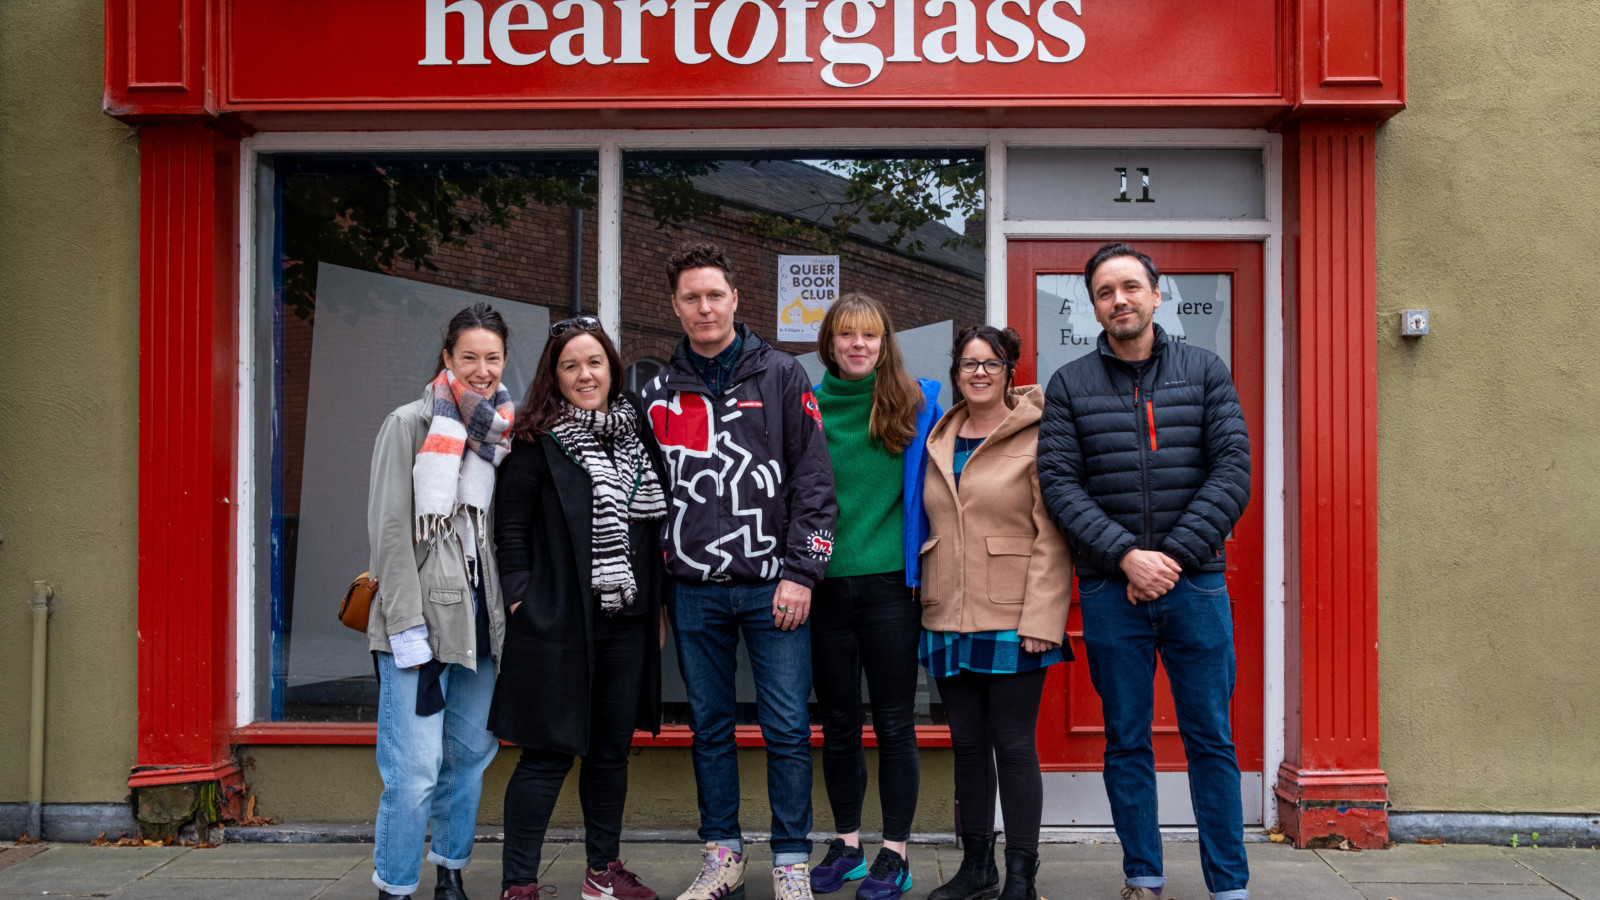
pixel 864 617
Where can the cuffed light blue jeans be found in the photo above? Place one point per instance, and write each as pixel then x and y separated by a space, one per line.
pixel 432 768
pixel 1191 626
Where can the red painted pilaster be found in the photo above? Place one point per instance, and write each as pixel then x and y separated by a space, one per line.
pixel 1330 786
pixel 158 57
pixel 188 354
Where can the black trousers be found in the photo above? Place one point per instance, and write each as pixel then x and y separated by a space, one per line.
pixel 994 721
pixel 620 650
pixel 871 624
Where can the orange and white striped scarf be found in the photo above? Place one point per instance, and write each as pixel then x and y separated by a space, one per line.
pixel 452 480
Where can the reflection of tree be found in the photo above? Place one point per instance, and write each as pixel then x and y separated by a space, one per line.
pixel 905 194
pixel 380 216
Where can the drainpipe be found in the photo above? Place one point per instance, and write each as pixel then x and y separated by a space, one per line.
pixel 40 604
pixel 577 260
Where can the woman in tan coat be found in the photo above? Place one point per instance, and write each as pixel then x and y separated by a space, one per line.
pixel 996 580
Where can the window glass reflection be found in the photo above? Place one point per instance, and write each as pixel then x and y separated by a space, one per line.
pixel 368 259
pixel 906 228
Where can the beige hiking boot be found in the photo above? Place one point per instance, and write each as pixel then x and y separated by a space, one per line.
pixel 721 876
pixel 792 882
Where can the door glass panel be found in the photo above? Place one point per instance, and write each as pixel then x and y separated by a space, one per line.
pixel 906 228
pixel 1196 308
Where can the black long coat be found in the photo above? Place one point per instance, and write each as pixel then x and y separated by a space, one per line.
pixel 543 515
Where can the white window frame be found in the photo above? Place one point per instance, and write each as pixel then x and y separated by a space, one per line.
pixel 610 145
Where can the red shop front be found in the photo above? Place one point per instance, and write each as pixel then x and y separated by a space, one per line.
pixel 299 157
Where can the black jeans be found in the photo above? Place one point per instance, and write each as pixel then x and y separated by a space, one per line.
pixel 871 624
pixel 994 720
pixel 620 650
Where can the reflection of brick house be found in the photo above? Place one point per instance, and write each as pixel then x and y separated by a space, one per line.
pixel 532 259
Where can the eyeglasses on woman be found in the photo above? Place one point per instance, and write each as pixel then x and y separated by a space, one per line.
pixel 969 365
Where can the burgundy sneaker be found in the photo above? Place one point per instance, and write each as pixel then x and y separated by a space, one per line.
pixel 615 883
pixel 526 892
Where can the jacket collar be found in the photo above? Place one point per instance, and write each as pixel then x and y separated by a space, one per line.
pixel 681 374
pixel 1157 350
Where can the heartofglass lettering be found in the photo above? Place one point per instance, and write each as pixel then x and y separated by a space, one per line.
pixel 965 32
pixel 761 44
pixel 1009 31
pixel 501 26
pixel 471 33
pixel 838 53
pixel 633 27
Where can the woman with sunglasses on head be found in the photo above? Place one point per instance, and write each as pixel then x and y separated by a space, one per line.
pixel 864 617
pixel 436 626
pixel 577 530
pixel 996 580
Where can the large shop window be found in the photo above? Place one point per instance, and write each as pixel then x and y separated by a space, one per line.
pixel 904 227
pixel 363 262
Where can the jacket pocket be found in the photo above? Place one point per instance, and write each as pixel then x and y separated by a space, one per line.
pixel 932 574
pixel 1007 571
pixel 445 598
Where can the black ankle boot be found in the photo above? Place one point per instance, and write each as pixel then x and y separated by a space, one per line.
pixel 1021 866
pixel 448 886
pixel 978 878
pixel 385 895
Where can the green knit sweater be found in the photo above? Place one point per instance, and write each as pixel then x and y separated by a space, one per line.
pixel 868 479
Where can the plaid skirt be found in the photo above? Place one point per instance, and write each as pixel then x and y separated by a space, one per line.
pixel 945 653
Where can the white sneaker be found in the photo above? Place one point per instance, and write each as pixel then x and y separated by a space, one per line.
pixel 721 876
pixel 792 882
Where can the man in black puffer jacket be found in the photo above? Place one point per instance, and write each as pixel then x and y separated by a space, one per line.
pixel 1144 462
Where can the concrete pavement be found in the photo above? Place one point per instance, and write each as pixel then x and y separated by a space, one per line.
pixel 1069 872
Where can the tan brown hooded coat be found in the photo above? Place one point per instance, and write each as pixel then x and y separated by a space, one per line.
pixel 994 560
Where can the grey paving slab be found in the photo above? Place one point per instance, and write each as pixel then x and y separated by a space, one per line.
pixel 1419 864
pixel 84 870
pixel 215 889
pixel 325 862
pixel 1094 872
pixel 1279 870
pixel 10 856
pixel 1575 871
pixel 1378 891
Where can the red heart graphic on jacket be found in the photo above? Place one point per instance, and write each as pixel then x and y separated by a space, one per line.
pixel 683 421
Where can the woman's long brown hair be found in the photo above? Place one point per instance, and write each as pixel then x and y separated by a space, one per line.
pixel 896 397
pixel 541 408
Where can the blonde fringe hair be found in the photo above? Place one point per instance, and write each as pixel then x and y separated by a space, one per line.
pixel 896 398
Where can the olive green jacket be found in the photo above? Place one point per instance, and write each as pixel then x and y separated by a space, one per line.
pixel 425 583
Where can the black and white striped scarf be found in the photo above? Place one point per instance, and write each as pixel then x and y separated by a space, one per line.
pixel 625 488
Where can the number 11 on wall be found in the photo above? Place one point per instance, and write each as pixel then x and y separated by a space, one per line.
pixel 1144 179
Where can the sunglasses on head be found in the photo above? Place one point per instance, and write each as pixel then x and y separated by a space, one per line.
pixel 581 323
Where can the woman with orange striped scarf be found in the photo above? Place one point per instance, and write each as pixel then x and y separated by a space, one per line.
pixel 438 623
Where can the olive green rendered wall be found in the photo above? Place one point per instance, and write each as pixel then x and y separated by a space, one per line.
pixel 1489 427
pixel 291 785
pixel 69 328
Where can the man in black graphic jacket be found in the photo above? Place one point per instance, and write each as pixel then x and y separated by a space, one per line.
pixel 747 536
pixel 1144 462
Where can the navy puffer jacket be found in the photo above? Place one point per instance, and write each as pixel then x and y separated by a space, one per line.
pixel 1155 463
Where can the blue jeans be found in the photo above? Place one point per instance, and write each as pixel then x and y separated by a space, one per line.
pixel 1191 626
pixel 707 622
pixel 432 768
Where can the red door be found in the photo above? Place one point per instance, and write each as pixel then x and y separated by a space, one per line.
pixel 1211 296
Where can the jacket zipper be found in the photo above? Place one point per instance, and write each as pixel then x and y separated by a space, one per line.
pixel 1144 459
